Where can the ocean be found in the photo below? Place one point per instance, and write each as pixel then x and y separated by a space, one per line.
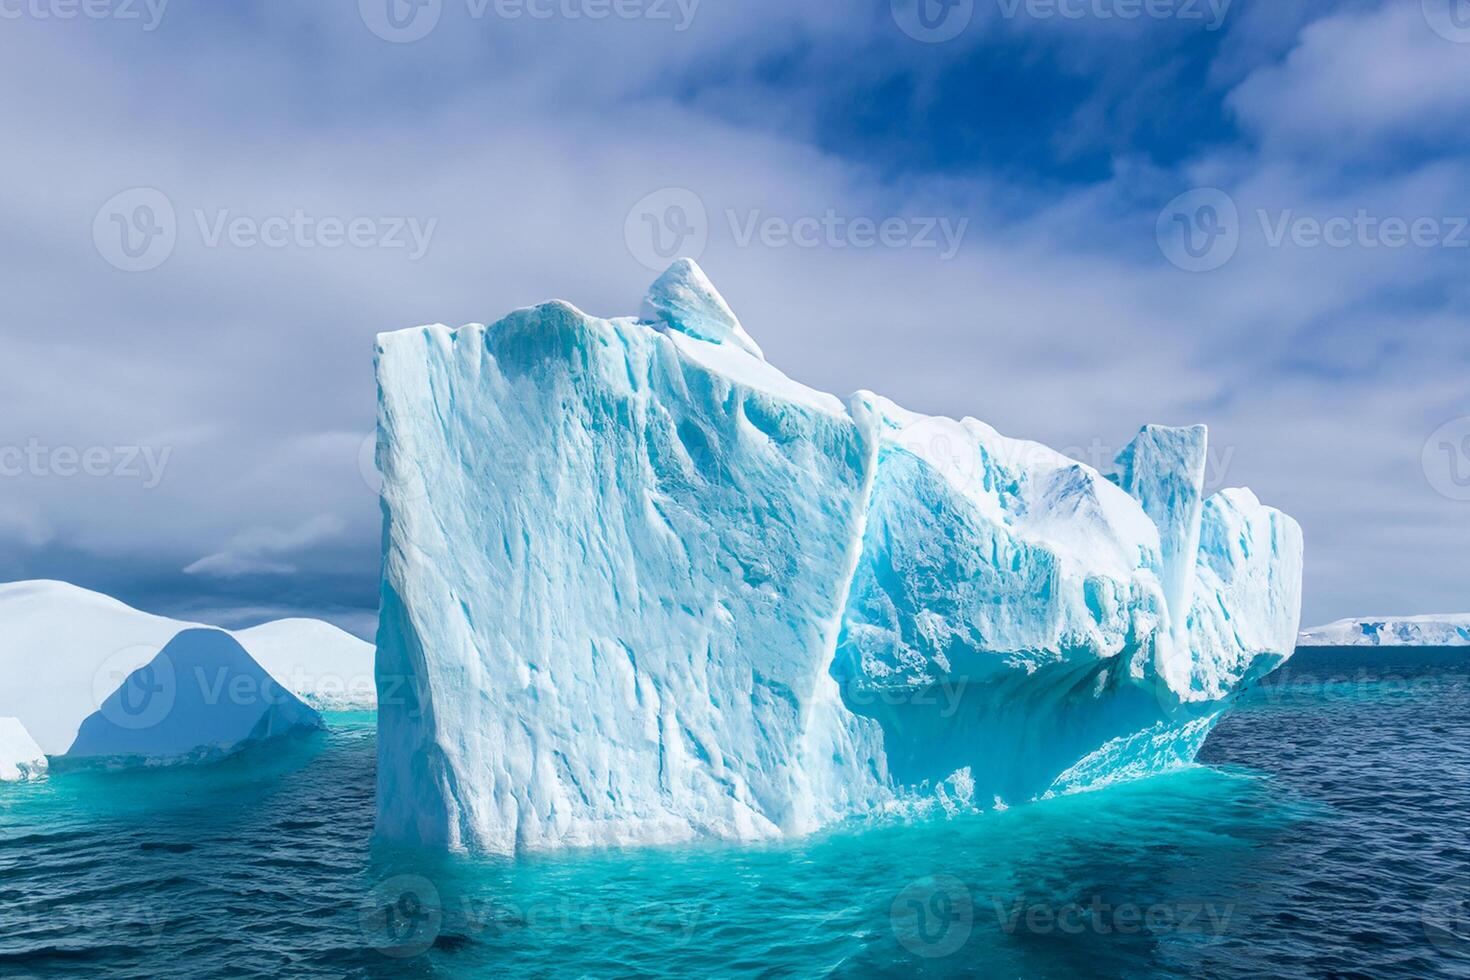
pixel 1325 832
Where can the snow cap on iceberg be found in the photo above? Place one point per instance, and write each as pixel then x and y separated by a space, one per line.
pixel 685 300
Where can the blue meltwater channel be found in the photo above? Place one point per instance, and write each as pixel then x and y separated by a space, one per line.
pixel 1326 832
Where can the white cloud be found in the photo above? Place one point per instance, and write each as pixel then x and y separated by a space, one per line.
pixel 1358 79
pixel 263 550
pixel 1064 325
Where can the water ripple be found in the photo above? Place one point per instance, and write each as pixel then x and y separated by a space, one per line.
pixel 1327 837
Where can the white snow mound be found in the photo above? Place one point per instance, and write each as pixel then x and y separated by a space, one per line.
pixel 328 668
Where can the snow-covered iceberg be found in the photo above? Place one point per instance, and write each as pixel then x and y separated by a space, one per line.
pixel 640 586
pixel 1391 631
pixel 327 667
pixel 20 756
pixel 201 697
pixel 91 678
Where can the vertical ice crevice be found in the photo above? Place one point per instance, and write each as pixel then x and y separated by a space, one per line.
pixel 1163 468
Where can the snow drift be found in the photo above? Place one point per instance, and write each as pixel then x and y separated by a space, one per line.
pixel 640 586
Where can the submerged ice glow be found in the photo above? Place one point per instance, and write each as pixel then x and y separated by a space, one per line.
pixel 640 586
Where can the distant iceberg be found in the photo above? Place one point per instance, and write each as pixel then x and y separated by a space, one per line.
pixel 1391 631
pixel 328 668
pixel 93 679
pixel 639 586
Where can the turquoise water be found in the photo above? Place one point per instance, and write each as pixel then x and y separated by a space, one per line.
pixel 1327 834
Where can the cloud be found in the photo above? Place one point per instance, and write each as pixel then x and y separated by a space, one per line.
pixel 1358 80
pixel 1324 369
pixel 260 550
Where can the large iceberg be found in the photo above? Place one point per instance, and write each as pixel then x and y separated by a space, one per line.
pixel 640 586
pixel 1391 631
pixel 89 678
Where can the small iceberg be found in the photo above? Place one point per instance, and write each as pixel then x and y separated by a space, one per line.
pixel 92 679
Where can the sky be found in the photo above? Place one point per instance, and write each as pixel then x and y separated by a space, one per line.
pixel 1066 218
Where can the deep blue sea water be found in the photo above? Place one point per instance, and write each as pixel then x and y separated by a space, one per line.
pixel 1326 834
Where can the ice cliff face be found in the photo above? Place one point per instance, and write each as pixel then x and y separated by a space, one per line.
pixel 640 586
